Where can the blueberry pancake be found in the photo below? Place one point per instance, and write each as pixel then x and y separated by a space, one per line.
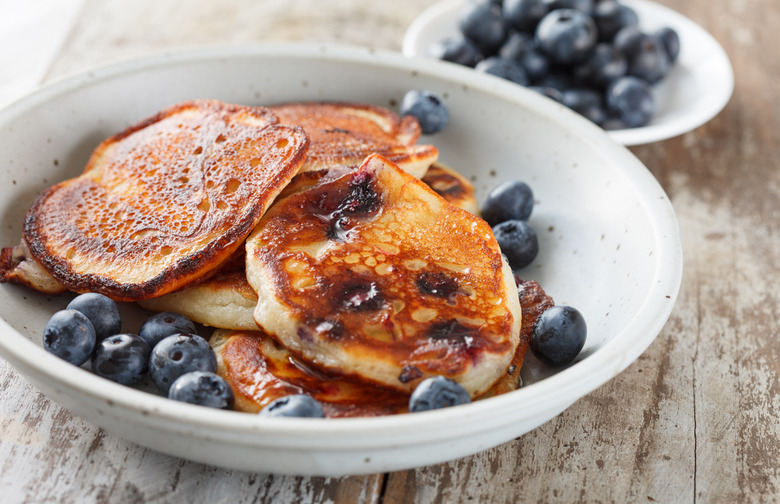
pixel 369 273
pixel 451 186
pixel 345 133
pixel 165 202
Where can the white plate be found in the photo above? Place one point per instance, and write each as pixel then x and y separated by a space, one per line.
pixel 608 235
pixel 695 90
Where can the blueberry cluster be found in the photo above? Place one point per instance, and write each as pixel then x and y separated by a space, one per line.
pixel 181 363
pixel 589 55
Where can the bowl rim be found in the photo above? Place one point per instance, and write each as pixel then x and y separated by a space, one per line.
pixel 565 387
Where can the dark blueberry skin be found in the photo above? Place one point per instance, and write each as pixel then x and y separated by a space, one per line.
pixel 482 22
pixel 510 200
pixel 299 405
pixel 586 102
pixel 671 42
pixel 428 108
pixel 121 358
pixel 524 15
pixel 535 63
pixel 629 40
pixel 604 65
pixel 650 62
pixel 515 45
pixel 504 68
pixel 558 336
pixel 456 49
pixel 556 79
pixel 585 6
pixel 631 100
pixel 70 336
pixel 567 36
pixel 177 355
pixel 204 389
pixel 101 310
pixel 611 17
pixel 163 324
pixel 518 242
pixel 436 393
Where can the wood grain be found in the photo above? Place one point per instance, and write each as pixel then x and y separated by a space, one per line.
pixel 694 419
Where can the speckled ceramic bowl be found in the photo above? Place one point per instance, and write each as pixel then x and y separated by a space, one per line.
pixel 608 235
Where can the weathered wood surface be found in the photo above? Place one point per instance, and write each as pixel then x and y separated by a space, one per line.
pixel 694 419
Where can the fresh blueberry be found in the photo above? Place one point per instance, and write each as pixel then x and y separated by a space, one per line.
pixel 515 44
pixel 671 42
pixel 611 17
pixel 535 63
pixel 631 100
pixel 585 6
pixel 456 49
pixel 604 65
pixel 436 393
pixel 524 15
pixel 629 40
pixel 518 242
pixel 428 108
pixel 650 62
pixel 510 200
pixel 567 35
pixel 298 405
pixel 559 335
pixel 481 21
pixel 122 358
pixel 70 336
pixel 178 354
pixel 556 79
pixel 504 68
pixel 163 324
pixel 586 102
pixel 204 389
pixel 101 310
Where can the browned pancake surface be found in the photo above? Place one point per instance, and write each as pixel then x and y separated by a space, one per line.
pixel 166 201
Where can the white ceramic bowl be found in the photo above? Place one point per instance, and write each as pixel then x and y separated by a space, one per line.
pixel 608 235
pixel 695 90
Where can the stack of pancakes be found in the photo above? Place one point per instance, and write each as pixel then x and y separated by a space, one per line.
pixel 333 254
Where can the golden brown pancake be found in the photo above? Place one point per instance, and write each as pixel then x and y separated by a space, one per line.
pixel 451 186
pixel 345 133
pixel 369 273
pixel 166 201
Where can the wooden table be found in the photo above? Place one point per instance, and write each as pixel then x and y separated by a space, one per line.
pixel 694 419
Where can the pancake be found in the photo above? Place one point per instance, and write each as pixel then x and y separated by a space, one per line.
pixel 452 186
pixel 345 133
pixel 369 273
pixel 165 202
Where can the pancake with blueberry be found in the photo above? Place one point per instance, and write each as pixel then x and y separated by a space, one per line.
pixel 369 273
pixel 165 202
pixel 345 133
pixel 452 186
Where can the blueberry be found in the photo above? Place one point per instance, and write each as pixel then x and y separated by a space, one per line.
pixel 428 108
pixel 70 336
pixel 556 79
pixel 650 62
pixel 163 324
pixel 524 15
pixel 298 405
pixel 671 42
pixel 558 335
pixel 535 63
pixel 515 45
pixel 436 393
pixel 604 65
pixel 518 242
pixel 204 389
pixel 481 21
pixel 101 310
pixel 585 6
pixel 631 100
pixel 611 17
pixel 510 200
pixel 178 354
pixel 504 68
pixel 586 102
pixel 566 35
pixel 629 40
pixel 456 49
pixel 122 358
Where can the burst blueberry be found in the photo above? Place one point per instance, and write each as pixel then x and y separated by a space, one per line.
pixel 163 324
pixel 296 405
pixel 122 358
pixel 559 335
pixel 436 393
pixel 70 336
pixel 179 354
pixel 101 310
pixel 428 108
pixel 204 389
